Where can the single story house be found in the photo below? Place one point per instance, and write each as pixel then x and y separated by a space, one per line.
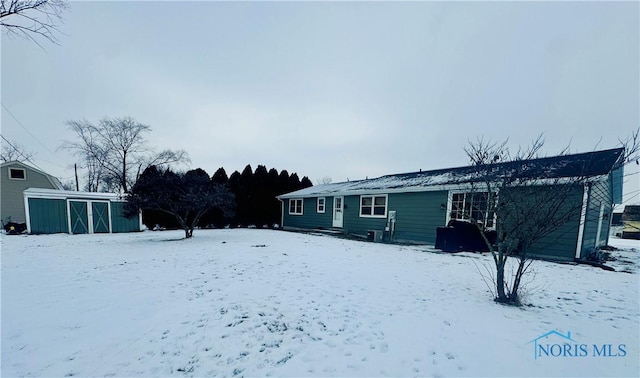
pixel 410 207
pixel 15 177
pixel 631 222
pixel 51 211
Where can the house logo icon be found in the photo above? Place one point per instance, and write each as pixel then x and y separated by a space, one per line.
pixel 560 346
pixel 554 344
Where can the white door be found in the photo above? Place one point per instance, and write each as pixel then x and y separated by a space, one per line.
pixel 338 206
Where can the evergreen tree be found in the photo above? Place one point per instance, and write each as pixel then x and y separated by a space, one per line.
pixel 273 209
pixel 294 183
pixel 283 182
pixel 234 186
pixel 243 196
pixel 305 183
pixel 220 177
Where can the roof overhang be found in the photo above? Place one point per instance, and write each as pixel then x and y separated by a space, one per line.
pixel 477 186
pixel 69 194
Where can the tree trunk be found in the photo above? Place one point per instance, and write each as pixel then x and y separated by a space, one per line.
pixel 124 172
pixel 500 263
pixel 522 260
pixel 502 296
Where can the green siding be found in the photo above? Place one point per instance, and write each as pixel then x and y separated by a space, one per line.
pixel 354 224
pixel 79 217
pixel 118 221
pixel 560 243
pixel 616 176
pixel 310 218
pixel 48 216
pixel 417 216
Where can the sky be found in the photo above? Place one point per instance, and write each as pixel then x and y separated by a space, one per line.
pixel 345 90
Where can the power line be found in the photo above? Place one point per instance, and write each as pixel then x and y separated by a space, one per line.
pixel 34 137
pixel 20 152
pixel 27 130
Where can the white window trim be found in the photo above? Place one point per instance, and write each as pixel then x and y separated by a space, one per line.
pixel 324 205
pixel 373 200
pixel 465 192
pixel 24 174
pixel 293 200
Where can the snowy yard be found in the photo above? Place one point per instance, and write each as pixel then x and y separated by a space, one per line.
pixel 274 303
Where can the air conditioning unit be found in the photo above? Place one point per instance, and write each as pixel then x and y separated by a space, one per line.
pixel 375 235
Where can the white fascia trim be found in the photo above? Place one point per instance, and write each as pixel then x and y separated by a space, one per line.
pixel 361 192
pixel 69 194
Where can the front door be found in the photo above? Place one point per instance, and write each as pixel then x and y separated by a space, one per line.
pixel 338 207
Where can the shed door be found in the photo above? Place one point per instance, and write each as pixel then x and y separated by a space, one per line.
pixel 100 212
pixel 79 217
pixel 338 207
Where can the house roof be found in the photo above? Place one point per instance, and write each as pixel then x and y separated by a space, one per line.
pixel 54 180
pixel 554 332
pixel 70 194
pixel 589 164
pixel 631 213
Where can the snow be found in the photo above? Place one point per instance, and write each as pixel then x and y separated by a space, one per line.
pixel 274 303
pixel 596 166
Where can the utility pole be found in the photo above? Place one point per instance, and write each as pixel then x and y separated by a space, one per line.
pixel 75 168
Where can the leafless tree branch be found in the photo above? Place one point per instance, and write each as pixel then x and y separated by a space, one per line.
pixel 31 18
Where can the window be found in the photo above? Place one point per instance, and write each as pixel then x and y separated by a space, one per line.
pixel 373 206
pixel 320 205
pixel 471 206
pixel 17 174
pixel 295 206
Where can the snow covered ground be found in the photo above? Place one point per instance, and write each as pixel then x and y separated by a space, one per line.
pixel 274 303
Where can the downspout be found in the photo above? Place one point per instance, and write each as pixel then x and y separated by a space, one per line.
pixel 281 213
pixel 27 217
pixel 583 218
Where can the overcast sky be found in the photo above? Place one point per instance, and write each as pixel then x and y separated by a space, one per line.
pixel 344 90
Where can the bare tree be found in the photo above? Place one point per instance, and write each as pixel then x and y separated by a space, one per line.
pixel 32 18
pixel 186 196
pixel 526 202
pixel 114 152
pixel 631 147
pixel 324 180
pixel 12 151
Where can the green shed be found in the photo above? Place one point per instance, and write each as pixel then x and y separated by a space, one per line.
pixel 50 211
